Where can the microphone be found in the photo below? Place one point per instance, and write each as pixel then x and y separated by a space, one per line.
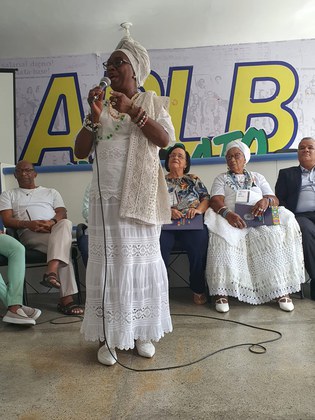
pixel 104 83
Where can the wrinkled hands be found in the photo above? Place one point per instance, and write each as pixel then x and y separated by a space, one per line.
pixel 191 213
pixel 120 102
pixel 260 207
pixel 96 104
pixel 235 220
pixel 41 226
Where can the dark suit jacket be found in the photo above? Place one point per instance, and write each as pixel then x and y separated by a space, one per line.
pixel 288 187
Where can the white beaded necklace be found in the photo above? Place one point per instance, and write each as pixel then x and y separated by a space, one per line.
pixel 114 113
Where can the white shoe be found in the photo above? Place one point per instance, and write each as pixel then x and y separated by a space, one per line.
pixel 19 318
pixel 222 305
pixel 33 313
pixel 105 357
pixel 145 348
pixel 286 304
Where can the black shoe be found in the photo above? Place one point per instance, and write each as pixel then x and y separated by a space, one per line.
pixel 312 289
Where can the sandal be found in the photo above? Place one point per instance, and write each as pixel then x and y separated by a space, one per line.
pixel 50 280
pixel 200 298
pixel 70 308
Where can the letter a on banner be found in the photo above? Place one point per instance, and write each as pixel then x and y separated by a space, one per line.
pixel 62 94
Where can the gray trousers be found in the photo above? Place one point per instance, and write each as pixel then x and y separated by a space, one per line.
pixel 57 245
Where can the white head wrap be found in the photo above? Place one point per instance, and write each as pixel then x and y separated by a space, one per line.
pixel 242 146
pixel 138 57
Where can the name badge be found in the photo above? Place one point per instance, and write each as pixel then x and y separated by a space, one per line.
pixel 242 196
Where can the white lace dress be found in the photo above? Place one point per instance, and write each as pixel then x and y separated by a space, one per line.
pixel 257 264
pixel 134 281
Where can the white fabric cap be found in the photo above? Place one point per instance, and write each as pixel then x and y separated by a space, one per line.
pixel 242 146
pixel 138 57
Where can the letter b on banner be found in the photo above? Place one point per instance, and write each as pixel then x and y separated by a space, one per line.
pixel 246 103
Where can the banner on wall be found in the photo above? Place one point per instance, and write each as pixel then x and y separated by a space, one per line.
pixel 262 93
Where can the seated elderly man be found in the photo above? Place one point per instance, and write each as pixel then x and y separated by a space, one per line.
pixel 295 189
pixel 40 217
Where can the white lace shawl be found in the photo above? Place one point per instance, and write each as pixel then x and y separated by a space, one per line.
pixel 144 195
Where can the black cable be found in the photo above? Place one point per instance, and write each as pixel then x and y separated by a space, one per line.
pixel 104 234
pixel 79 318
pixel 251 348
pixel 256 348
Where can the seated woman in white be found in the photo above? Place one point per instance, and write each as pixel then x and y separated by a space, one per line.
pixel 253 264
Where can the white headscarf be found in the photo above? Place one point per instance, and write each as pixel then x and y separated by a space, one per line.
pixel 242 146
pixel 138 57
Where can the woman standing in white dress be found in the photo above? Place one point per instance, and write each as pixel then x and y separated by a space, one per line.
pixel 127 285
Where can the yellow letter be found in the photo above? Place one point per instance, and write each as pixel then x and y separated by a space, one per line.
pixel 245 105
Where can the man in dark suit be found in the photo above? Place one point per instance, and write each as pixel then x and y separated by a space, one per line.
pixel 295 189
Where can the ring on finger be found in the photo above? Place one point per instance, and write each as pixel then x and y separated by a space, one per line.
pixel 260 209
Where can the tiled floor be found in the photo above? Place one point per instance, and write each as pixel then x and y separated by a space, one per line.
pixel 49 372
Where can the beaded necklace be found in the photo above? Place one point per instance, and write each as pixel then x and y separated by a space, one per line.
pixel 117 116
pixel 114 113
pixel 234 183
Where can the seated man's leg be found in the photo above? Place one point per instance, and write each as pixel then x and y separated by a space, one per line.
pixel 308 238
pixel 59 249
pixel 57 245
pixel 40 242
pixel 195 242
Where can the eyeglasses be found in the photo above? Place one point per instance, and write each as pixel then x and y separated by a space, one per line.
pixel 237 156
pixel 177 155
pixel 117 62
pixel 21 171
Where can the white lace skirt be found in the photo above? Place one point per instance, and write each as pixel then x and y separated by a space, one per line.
pixel 135 304
pixel 263 264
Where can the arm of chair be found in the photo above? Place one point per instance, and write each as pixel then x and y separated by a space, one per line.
pixel 12 232
pixel 81 227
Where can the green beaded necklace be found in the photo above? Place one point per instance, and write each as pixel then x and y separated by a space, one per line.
pixel 120 118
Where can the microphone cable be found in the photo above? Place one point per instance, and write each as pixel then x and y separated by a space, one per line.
pixel 94 133
pixel 256 348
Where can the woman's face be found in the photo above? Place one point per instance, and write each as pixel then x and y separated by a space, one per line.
pixel 235 160
pixel 177 160
pixel 120 71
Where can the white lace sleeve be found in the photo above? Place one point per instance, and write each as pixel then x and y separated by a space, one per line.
pixel 165 120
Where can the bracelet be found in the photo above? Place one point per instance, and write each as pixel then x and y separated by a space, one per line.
pixel 138 116
pixel 270 201
pixel 143 120
pixel 87 123
pixel 221 208
pixel 225 213
pixel 54 220
pixel 143 116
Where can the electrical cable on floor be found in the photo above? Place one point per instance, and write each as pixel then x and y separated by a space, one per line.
pixel 256 348
pixel 78 318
